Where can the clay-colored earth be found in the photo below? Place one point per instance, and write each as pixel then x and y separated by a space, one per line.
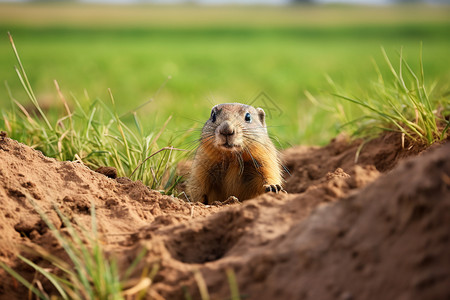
pixel 375 229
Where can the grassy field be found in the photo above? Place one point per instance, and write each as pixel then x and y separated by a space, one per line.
pixel 217 54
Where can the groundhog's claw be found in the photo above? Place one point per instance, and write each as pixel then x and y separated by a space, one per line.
pixel 276 188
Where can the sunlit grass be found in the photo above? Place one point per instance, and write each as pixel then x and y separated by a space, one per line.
pixel 94 135
pixel 399 102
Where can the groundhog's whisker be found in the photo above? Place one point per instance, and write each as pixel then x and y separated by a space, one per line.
pixel 255 162
pixel 257 141
pixel 240 161
pixel 258 132
pixel 206 137
pixel 273 138
pixel 253 130
pixel 191 145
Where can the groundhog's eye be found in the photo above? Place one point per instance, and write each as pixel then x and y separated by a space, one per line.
pixel 248 118
pixel 213 116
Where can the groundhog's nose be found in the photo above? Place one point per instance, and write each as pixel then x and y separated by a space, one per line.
pixel 226 129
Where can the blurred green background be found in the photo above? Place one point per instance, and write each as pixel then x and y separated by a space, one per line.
pixel 216 54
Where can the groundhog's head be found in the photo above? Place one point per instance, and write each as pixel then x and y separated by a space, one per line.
pixel 234 126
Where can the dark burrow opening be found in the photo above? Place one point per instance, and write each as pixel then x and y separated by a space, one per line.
pixel 209 241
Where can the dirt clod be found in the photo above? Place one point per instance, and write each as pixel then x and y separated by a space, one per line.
pixel 109 172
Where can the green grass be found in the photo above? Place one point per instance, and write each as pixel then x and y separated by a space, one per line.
pixel 282 52
pixel 403 103
pixel 94 135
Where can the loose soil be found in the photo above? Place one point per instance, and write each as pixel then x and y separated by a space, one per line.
pixel 358 223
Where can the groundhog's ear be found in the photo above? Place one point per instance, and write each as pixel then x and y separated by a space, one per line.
pixel 261 115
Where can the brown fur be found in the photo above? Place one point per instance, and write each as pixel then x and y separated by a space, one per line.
pixel 235 157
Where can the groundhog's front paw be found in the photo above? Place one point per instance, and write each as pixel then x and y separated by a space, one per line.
pixel 276 188
pixel 232 200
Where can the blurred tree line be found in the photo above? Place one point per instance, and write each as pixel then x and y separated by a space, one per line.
pixel 243 1
pixel 389 1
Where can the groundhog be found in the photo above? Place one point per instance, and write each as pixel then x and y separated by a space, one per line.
pixel 235 158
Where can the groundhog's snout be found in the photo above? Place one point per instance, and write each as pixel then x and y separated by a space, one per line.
pixel 226 129
pixel 226 135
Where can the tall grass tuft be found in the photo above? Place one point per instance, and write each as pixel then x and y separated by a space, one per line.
pixel 94 135
pixel 402 103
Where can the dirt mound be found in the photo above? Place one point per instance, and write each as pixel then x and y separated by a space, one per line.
pixel 345 231
pixel 310 165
